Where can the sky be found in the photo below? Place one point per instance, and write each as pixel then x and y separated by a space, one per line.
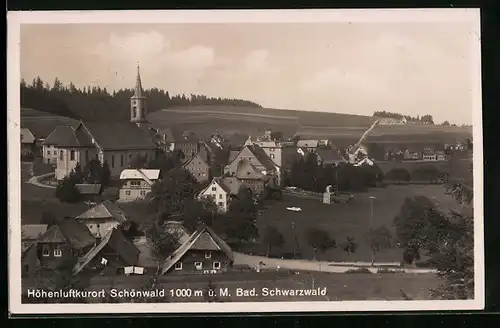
pixel 414 68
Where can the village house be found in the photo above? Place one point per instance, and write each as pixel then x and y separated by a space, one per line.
pixel 259 160
pixel 312 145
pixel 253 178
pixel 28 143
pixel 63 242
pixel 203 253
pixel 137 183
pixel 329 157
pixel 187 142
pixel 116 143
pixel 102 218
pixel 111 254
pixel 222 191
pixel 89 191
pixel 432 156
pixel 30 233
pixel 199 168
pixel 282 153
pixel 49 149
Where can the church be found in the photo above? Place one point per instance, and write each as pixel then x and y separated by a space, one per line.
pixel 116 143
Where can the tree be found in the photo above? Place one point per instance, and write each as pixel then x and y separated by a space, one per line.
pixel 446 123
pixel 272 237
pixel 427 172
pixel 164 242
pixel 319 240
pixel 379 239
pixel 169 194
pixel 349 246
pixel 66 191
pixel 199 210
pixel 48 218
pixel 77 174
pixel 240 220
pixel 138 162
pixel 92 171
pixel 398 174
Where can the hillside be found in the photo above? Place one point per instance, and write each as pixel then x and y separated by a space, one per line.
pixel 42 123
pixel 417 133
pixel 253 121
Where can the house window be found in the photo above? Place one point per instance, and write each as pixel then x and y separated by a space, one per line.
pixel 272 149
pixel 208 255
pixel 220 196
pixel 135 183
pixel 61 155
pixel 45 250
pixel 178 266
pixel 72 155
pixel 216 265
pixel 272 156
pixel 48 152
pixel 127 192
pixel 57 252
pixel 121 160
pixel 198 265
pixel 135 112
pixel 86 155
pixel 112 160
pixel 221 204
pixel 143 192
pixel 214 188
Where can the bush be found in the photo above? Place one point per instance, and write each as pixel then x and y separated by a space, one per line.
pixel 359 270
pixel 398 174
pixel 426 173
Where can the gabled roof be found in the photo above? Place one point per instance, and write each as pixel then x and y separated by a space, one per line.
pixel 104 210
pixel 118 135
pixel 89 188
pixel 148 175
pixel 233 154
pixel 115 239
pixel 328 155
pixel 198 158
pixel 65 136
pixel 253 173
pixel 231 184
pixel 27 136
pixel 32 231
pixel 202 239
pixel 262 157
pixel 68 230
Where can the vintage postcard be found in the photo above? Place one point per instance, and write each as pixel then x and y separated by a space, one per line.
pixel 245 161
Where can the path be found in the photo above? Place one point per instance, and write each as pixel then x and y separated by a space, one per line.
pixel 366 133
pixel 36 181
pixel 306 265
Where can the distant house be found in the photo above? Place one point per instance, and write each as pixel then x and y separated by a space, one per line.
pixel 310 145
pixel 222 191
pixel 254 157
pixel 102 218
pixel 30 233
pixel 199 168
pixel 137 183
pixel 329 157
pixel 28 143
pixel 436 155
pixel 64 241
pixel 50 151
pixel 89 191
pixel 281 153
pixel 114 251
pixel 203 253
pixel 253 178
pixel 187 142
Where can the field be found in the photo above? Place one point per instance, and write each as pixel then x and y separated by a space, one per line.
pixel 414 133
pixel 41 123
pixel 339 287
pixel 342 220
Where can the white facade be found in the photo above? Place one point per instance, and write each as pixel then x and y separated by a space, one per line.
pixel 136 184
pixel 219 195
pixel 49 154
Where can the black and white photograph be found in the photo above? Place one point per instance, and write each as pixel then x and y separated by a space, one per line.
pixel 245 161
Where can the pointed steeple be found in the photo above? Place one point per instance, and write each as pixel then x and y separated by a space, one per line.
pixel 138 92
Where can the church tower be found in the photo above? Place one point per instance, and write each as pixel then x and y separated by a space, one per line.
pixel 138 104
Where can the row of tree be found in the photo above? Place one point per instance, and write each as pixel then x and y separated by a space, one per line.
pixel 427 119
pixel 306 173
pixel 94 103
pixel 421 173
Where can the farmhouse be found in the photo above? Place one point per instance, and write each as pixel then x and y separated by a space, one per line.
pixel 199 168
pixel 187 142
pixel 30 233
pixel 259 160
pixel 222 191
pixel 137 183
pixel 253 178
pixel 62 242
pixel 102 218
pixel 49 149
pixel 28 143
pixel 113 252
pixel 203 253
pixel 329 157
pixel 89 191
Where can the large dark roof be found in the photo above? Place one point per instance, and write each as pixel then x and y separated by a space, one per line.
pixel 262 157
pixel 118 135
pixel 68 230
pixel 64 136
pixel 329 156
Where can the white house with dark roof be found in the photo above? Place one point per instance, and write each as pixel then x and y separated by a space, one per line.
pixel 221 191
pixel 28 142
pixel 102 218
pixel 137 183
pixel 50 151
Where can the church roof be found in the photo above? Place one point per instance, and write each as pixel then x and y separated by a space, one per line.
pixel 118 135
pixel 138 91
pixel 65 136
